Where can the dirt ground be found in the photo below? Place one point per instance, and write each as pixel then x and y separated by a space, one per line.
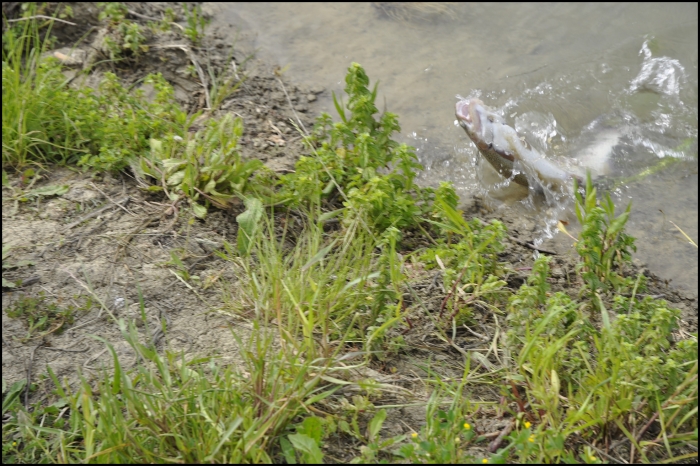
pixel 108 239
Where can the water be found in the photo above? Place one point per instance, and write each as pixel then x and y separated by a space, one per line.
pixel 573 78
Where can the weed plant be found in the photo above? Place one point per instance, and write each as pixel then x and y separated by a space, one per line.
pixel 590 371
pixel 127 38
pixel 206 170
pixel 603 244
pixel 357 162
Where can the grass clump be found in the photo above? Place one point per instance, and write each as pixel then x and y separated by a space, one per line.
pixel 45 120
pixel 171 409
pixel 328 288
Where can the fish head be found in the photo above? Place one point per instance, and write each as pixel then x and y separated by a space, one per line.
pixel 467 116
pixel 478 121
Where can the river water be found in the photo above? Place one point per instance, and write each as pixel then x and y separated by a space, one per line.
pixel 618 80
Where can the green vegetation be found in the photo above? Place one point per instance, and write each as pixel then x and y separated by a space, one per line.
pixel 45 120
pixel 333 294
pixel 41 316
pixel 356 160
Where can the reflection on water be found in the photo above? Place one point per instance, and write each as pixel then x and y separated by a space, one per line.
pixel 616 83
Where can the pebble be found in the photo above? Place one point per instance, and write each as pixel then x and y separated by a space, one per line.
pixel 311 97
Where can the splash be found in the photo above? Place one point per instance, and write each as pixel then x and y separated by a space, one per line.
pixel 661 75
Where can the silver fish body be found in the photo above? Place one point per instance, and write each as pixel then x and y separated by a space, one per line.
pixel 501 146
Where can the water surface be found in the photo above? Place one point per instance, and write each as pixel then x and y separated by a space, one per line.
pixel 615 77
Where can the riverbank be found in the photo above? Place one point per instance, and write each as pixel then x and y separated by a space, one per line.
pixel 335 317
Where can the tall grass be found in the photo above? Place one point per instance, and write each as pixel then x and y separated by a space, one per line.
pixel 35 127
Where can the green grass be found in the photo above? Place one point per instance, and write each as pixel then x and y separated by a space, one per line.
pixel 45 120
pixel 40 316
pixel 326 292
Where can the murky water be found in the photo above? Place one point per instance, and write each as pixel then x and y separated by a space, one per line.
pixel 611 79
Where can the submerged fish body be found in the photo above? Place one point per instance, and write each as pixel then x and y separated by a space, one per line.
pixel 505 151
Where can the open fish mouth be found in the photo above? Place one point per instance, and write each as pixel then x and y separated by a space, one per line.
pixel 462 113
pixel 470 114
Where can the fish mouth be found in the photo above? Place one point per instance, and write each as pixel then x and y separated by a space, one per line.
pixel 467 113
pixel 462 112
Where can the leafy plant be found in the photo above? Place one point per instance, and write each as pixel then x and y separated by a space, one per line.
pixel 603 245
pixel 114 12
pixel 614 377
pixel 305 442
pixel 126 36
pixel 196 23
pixel 207 168
pixel 470 264
pixel 444 440
pixel 357 160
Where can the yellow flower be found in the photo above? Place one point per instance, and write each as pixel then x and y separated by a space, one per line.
pixel 592 458
pixel 414 435
pixel 527 424
pixel 531 439
pixel 485 461
pixel 467 426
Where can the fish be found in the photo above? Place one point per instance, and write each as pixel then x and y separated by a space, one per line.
pixel 512 157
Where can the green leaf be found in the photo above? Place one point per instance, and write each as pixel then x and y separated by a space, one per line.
pixel 324 217
pixel 6 248
pixel 318 256
pixel 248 225
pixel 339 108
pixel 169 164
pixel 15 390
pixel 51 190
pixel 312 427
pixel 288 451
pixel 176 178
pixel 199 210
pixel 308 447
pixel 375 424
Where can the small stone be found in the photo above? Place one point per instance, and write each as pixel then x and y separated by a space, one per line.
pixel 311 97
pixel 300 108
pixel 317 89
